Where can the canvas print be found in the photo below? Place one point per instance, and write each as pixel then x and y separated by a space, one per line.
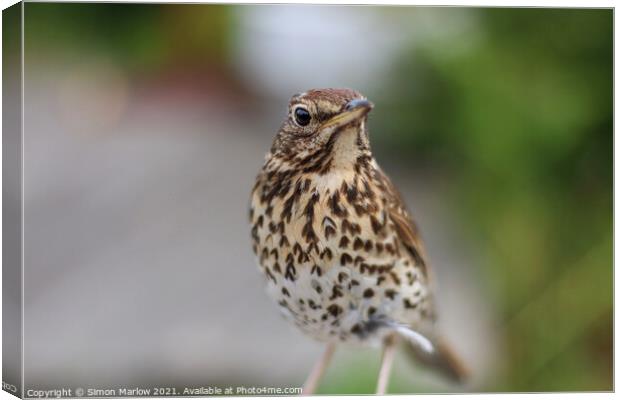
pixel 233 199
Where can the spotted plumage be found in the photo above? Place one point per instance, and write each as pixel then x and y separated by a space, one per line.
pixel 339 251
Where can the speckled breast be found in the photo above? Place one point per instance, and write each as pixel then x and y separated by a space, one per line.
pixel 331 257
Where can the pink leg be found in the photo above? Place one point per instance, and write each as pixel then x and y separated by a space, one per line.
pixel 318 370
pixel 387 359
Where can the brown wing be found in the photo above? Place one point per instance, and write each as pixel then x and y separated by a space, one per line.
pixel 405 227
pixel 443 358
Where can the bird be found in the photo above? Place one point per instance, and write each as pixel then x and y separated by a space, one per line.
pixel 339 251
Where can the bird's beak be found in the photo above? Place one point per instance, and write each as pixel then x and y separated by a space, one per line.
pixel 353 111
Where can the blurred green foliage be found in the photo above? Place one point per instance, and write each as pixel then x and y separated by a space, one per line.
pixel 521 118
pixel 144 38
pixel 11 28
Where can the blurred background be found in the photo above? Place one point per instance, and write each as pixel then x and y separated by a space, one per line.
pixel 145 126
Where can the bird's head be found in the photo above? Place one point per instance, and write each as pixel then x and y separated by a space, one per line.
pixel 325 129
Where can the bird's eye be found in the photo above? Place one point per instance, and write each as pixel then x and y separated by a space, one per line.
pixel 302 116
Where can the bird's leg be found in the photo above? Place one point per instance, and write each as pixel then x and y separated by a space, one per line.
pixel 319 368
pixel 387 359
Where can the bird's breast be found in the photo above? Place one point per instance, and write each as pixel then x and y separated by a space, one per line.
pixel 330 255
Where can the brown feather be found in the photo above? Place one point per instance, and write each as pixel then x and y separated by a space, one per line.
pixel 443 360
pixel 405 227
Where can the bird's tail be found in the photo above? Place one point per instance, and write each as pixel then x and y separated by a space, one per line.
pixel 435 353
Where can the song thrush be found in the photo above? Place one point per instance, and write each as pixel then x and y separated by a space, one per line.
pixel 341 254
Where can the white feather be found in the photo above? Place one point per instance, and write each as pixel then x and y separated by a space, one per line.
pixel 416 338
